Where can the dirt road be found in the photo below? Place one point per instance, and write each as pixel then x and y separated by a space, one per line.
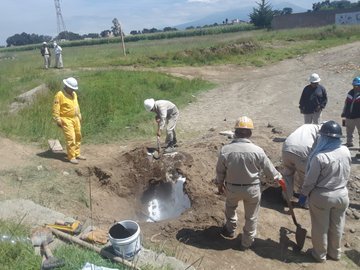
pixel 268 95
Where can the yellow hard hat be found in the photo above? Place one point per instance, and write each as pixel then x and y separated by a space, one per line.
pixel 244 122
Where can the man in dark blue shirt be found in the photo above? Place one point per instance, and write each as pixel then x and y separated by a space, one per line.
pixel 313 100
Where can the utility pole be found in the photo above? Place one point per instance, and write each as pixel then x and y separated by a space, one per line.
pixel 60 21
pixel 122 40
pixel 117 31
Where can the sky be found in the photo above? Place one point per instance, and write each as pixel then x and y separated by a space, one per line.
pixel 94 16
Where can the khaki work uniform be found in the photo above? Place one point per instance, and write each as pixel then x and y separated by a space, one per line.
pixel 239 166
pixel 66 109
pixel 295 151
pixel 46 55
pixel 168 114
pixel 58 57
pixel 325 184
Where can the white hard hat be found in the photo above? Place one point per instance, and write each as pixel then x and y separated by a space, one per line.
pixel 149 104
pixel 71 83
pixel 314 78
pixel 55 43
pixel 44 42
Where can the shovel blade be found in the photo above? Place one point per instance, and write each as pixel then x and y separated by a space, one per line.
pixel 300 236
pixel 156 154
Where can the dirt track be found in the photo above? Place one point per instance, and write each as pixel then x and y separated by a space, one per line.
pixel 270 97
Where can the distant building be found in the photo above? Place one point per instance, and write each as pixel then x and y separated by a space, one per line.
pixel 317 18
pixel 237 21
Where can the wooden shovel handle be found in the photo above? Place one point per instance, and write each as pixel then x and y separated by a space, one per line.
pixel 291 209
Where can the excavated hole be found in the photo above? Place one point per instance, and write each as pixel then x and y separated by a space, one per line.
pixel 165 200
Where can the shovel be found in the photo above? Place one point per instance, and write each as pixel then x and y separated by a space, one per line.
pixel 300 233
pixel 156 154
pixel 42 237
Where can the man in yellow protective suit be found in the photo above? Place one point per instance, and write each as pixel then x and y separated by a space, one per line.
pixel 66 113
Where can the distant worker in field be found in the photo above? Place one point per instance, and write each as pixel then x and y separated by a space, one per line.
pixel 66 113
pixel 313 100
pixel 45 52
pixel 167 115
pixel 238 172
pixel 295 152
pixel 327 174
pixel 58 56
pixel 351 112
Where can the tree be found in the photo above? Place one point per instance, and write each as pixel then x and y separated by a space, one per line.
pixel 287 10
pixel 105 33
pixel 91 35
pixel 327 5
pixel 263 15
pixel 68 36
pixel 284 11
pixel 25 39
pixel 168 29
pixel 116 28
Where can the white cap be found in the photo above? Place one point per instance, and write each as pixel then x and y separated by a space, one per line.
pixel 55 43
pixel 71 83
pixel 149 104
pixel 314 78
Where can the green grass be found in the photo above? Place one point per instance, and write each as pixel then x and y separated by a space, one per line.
pixel 21 255
pixel 111 103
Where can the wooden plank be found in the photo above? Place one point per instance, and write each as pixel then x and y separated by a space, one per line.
pixel 55 145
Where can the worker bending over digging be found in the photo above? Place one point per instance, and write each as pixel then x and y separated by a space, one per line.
pixel 295 152
pixel 238 175
pixel 327 174
pixel 66 113
pixel 167 115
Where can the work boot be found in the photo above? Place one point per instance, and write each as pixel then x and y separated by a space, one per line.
pixel 225 233
pixel 349 144
pixel 169 149
pixel 74 161
pixel 81 157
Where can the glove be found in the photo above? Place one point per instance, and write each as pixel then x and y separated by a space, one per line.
pixel 302 200
pixel 59 123
pixel 282 184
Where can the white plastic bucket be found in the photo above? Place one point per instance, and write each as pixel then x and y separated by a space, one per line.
pixel 129 246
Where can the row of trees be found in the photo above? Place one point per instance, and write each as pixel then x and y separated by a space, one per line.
pixel 327 5
pixel 261 17
pixel 263 14
pixel 27 39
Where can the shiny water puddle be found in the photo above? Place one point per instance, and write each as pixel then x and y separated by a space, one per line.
pixel 165 200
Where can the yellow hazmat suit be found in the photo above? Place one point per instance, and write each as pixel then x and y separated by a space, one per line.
pixel 66 112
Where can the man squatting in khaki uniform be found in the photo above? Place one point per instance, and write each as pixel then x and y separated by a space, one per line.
pixel 295 152
pixel 238 175
pixel 327 174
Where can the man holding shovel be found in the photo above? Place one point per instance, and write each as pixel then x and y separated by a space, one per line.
pixel 327 174
pixel 238 176
pixel 167 115
pixel 295 152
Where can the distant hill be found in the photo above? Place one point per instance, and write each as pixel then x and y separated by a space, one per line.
pixel 241 14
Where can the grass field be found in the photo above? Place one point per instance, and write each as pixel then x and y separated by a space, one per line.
pixel 111 97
